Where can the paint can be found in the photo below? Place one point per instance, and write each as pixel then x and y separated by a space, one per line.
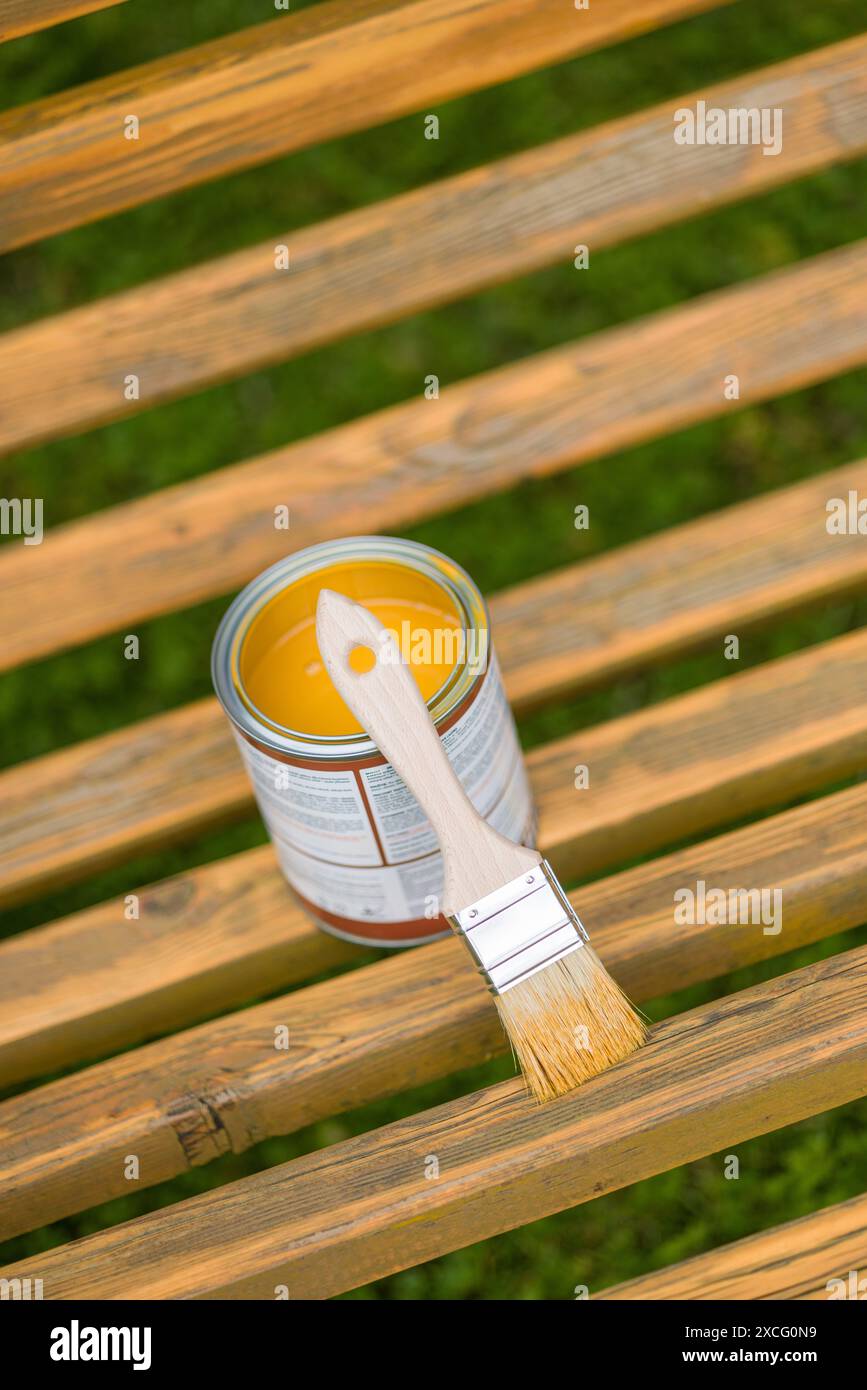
pixel 351 840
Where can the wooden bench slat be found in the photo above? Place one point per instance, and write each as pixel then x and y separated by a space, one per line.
pixel 19 17
pixel 75 811
pixel 406 1021
pixel 731 748
pixel 276 87
pixel 387 470
pixel 364 1208
pixel 793 1262
pixel 644 603
pixel 237 313
pixel 703 759
pixel 205 939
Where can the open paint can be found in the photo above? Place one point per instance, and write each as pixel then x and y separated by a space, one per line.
pixel 352 841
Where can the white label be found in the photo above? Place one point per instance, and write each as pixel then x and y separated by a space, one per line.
pixel 321 812
pixel 379 862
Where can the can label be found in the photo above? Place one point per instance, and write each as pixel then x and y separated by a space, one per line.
pixel 354 842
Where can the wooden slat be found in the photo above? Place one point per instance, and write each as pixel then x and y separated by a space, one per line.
pixel 383 1028
pixel 387 470
pixel 237 101
pixel 690 763
pixel 19 17
pixel 366 1207
pixel 176 773
pixel 705 758
pixel 687 585
pixel 645 602
pixel 793 1262
pixel 237 313
pixel 204 940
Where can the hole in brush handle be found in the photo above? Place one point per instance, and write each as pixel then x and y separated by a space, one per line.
pixel 361 659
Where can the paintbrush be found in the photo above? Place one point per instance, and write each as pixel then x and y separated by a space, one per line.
pixel 565 1017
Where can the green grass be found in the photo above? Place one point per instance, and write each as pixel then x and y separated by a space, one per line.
pixel 501 540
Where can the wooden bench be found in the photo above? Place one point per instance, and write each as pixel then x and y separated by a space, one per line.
pixel 95 985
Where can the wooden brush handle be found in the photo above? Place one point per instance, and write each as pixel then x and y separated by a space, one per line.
pixel 387 702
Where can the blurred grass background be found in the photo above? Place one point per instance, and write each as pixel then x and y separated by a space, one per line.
pixel 501 540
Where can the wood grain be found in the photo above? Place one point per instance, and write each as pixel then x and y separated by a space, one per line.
pixel 793 1262
pixel 205 940
pixel 364 1208
pixel 235 314
pixel 706 758
pixel 689 585
pixel 720 752
pixel 119 783
pixel 370 1033
pixel 19 17
pixel 388 470
pixel 276 87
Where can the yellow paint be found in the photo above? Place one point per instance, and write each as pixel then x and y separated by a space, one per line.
pixel 280 666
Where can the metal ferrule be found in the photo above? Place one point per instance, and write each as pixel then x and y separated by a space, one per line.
pixel 520 928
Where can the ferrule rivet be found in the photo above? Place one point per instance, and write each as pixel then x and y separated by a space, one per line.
pixel 531 879
pixel 473 912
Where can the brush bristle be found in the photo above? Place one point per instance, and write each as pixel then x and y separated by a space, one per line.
pixel 569 1022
